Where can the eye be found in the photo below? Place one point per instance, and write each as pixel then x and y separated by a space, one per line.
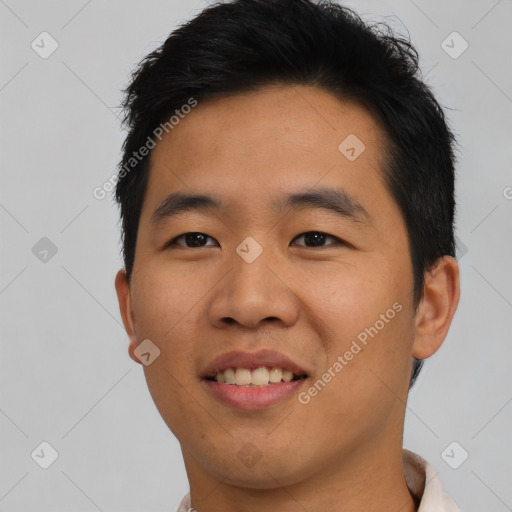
pixel 316 239
pixel 197 239
pixel 193 239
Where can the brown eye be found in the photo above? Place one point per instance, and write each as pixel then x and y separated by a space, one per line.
pixel 193 239
pixel 317 239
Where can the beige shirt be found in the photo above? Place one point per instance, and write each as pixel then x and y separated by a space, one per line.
pixel 421 478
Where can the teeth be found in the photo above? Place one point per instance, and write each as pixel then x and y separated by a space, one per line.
pixel 287 375
pixel 229 376
pixel 242 377
pixel 276 374
pixel 259 377
pixel 262 376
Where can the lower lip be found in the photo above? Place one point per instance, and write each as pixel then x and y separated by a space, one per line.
pixel 253 397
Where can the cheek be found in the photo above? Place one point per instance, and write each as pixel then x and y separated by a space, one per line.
pixel 162 300
pixel 367 320
pixel 350 297
pixel 166 307
pixel 359 394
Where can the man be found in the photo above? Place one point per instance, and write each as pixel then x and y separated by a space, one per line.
pixel 287 200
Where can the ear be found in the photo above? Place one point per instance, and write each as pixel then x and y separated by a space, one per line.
pixel 125 307
pixel 436 309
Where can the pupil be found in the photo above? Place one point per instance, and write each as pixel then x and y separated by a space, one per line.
pixel 192 238
pixel 313 238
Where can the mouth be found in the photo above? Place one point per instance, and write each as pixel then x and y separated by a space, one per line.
pixel 253 380
pixel 257 377
pixel 257 369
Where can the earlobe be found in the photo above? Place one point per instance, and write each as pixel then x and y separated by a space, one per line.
pixel 125 307
pixel 441 293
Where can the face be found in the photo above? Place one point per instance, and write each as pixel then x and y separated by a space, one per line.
pixel 330 290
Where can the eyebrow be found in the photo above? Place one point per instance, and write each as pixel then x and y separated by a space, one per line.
pixel 330 199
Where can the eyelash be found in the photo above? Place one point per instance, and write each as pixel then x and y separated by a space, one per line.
pixel 338 240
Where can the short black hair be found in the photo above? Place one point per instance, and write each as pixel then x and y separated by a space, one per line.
pixel 243 45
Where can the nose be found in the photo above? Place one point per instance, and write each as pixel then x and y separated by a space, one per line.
pixel 253 293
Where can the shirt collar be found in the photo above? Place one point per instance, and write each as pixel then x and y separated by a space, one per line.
pixel 424 485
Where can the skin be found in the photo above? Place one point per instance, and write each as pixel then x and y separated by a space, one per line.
pixel 307 302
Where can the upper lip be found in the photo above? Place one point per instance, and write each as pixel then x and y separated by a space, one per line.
pixel 252 360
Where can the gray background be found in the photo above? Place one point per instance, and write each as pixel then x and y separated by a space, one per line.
pixel 65 374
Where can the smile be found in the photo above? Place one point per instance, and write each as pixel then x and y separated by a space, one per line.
pixel 263 376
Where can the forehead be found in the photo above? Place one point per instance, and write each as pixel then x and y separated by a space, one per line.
pixel 254 147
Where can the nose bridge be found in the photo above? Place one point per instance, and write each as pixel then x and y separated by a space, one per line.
pixel 251 266
pixel 253 290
